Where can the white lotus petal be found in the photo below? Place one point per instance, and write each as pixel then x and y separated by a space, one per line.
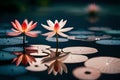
pixel 56 21
pixel 62 34
pixel 49 34
pixel 62 24
pixel 47 27
pixel 61 21
pixel 50 23
pixel 66 29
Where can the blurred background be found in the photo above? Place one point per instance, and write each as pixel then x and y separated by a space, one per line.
pixel 34 9
pixel 13 6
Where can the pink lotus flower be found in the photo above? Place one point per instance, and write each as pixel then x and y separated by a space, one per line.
pixel 24 58
pixel 56 28
pixel 93 8
pixel 24 28
pixel 57 66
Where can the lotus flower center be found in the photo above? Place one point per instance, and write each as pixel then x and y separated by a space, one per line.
pixel 56 27
pixel 24 27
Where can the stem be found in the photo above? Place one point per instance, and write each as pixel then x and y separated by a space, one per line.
pixel 57 45
pixel 24 38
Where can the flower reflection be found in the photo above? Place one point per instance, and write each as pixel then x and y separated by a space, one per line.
pixel 93 11
pixel 93 19
pixel 55 61
pixel 52 56
pixel 57 67
pixel 23 58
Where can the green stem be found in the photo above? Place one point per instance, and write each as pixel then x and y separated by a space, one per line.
pixel 24 38
pixel 57 45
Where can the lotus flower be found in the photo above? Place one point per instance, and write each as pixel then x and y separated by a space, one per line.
pixel 93 8
pixel 24 58
pixel 24 28
pixel 57 66
pixel 56 28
